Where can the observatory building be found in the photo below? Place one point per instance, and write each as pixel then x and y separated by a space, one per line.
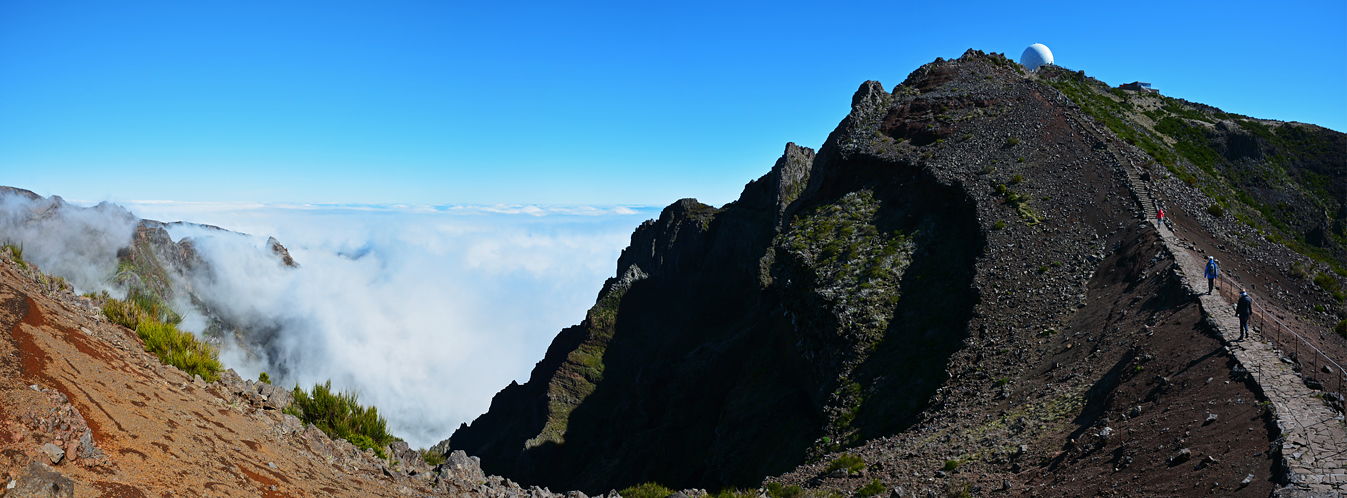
pixel 1036 55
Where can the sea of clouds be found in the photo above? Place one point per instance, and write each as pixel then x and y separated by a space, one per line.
pixel 424 311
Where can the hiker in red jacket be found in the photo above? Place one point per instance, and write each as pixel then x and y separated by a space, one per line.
pixel 1160 216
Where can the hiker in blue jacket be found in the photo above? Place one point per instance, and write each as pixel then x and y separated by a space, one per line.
pixel 1211 273
pixel 1243 309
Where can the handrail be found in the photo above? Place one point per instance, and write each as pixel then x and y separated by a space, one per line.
pixel 1265 312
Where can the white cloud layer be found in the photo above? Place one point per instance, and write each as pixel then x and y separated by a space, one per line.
pixel 425 311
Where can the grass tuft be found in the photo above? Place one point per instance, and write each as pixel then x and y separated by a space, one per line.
pixel 180 349
pixel 156 325
pixel 646 490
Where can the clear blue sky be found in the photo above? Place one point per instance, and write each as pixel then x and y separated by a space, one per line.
pixel 596 103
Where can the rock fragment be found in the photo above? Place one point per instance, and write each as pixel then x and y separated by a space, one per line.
pixel 39 480
pixel 53 452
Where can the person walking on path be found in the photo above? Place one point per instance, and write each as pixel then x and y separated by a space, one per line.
pixel 1160 217
pixel 1212 273
pixel 1243 310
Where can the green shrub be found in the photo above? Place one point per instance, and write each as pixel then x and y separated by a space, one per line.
pixel 1330 285
pixel 340 415
pixel 180 349
pixel 999 225
pixel 15 252
pixel 1216 210
pixel 848 462
pixel 776 490
pixel 646 490
pixel 1012 141
pixel 875 488
pixel 1016 180
pixel 950 465
pixel 1341 328
pixel 123 313
pixel 431 458
pixel 138 307
pixel 734 493
pixel 264 378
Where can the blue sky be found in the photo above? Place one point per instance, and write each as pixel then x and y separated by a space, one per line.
pixel 558 103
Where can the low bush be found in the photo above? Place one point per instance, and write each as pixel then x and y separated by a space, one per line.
pixel 124 313
pixel 138 307
pixel 431 458
pixel 180 349
pixel 340 415
pixel 1330 285
pixel 1341 329
pixel 950 465
pixel 646 490
pixel 1216 210
pixel 776 490
pixel 15 252
pixel 848 462
pixel 875 488
pixel 734 493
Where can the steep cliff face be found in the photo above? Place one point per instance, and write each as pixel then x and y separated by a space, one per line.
pixel 816 310
pixel 919 291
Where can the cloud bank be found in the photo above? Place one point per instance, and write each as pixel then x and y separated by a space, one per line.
pixel 424 311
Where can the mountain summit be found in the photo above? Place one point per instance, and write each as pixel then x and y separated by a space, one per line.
pixel 963 283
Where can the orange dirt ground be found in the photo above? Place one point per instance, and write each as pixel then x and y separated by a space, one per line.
pixel 159 432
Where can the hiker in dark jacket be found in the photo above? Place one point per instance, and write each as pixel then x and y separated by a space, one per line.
pixel 1243 310
pixel 1212 273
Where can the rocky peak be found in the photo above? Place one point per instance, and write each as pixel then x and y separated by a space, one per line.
pixel 281 252
pixel 788 178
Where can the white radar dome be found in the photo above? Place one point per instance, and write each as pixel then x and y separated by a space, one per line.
pixel 1036 55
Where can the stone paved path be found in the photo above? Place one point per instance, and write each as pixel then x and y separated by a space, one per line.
pixel 1314 444
pixel 1314 436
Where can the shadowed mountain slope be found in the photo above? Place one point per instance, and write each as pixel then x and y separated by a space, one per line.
pixel 949 258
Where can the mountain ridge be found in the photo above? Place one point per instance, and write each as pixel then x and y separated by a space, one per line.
pixel 962 291
pixel 1047 182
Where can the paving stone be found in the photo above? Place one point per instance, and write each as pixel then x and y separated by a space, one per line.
pixel 1310 429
